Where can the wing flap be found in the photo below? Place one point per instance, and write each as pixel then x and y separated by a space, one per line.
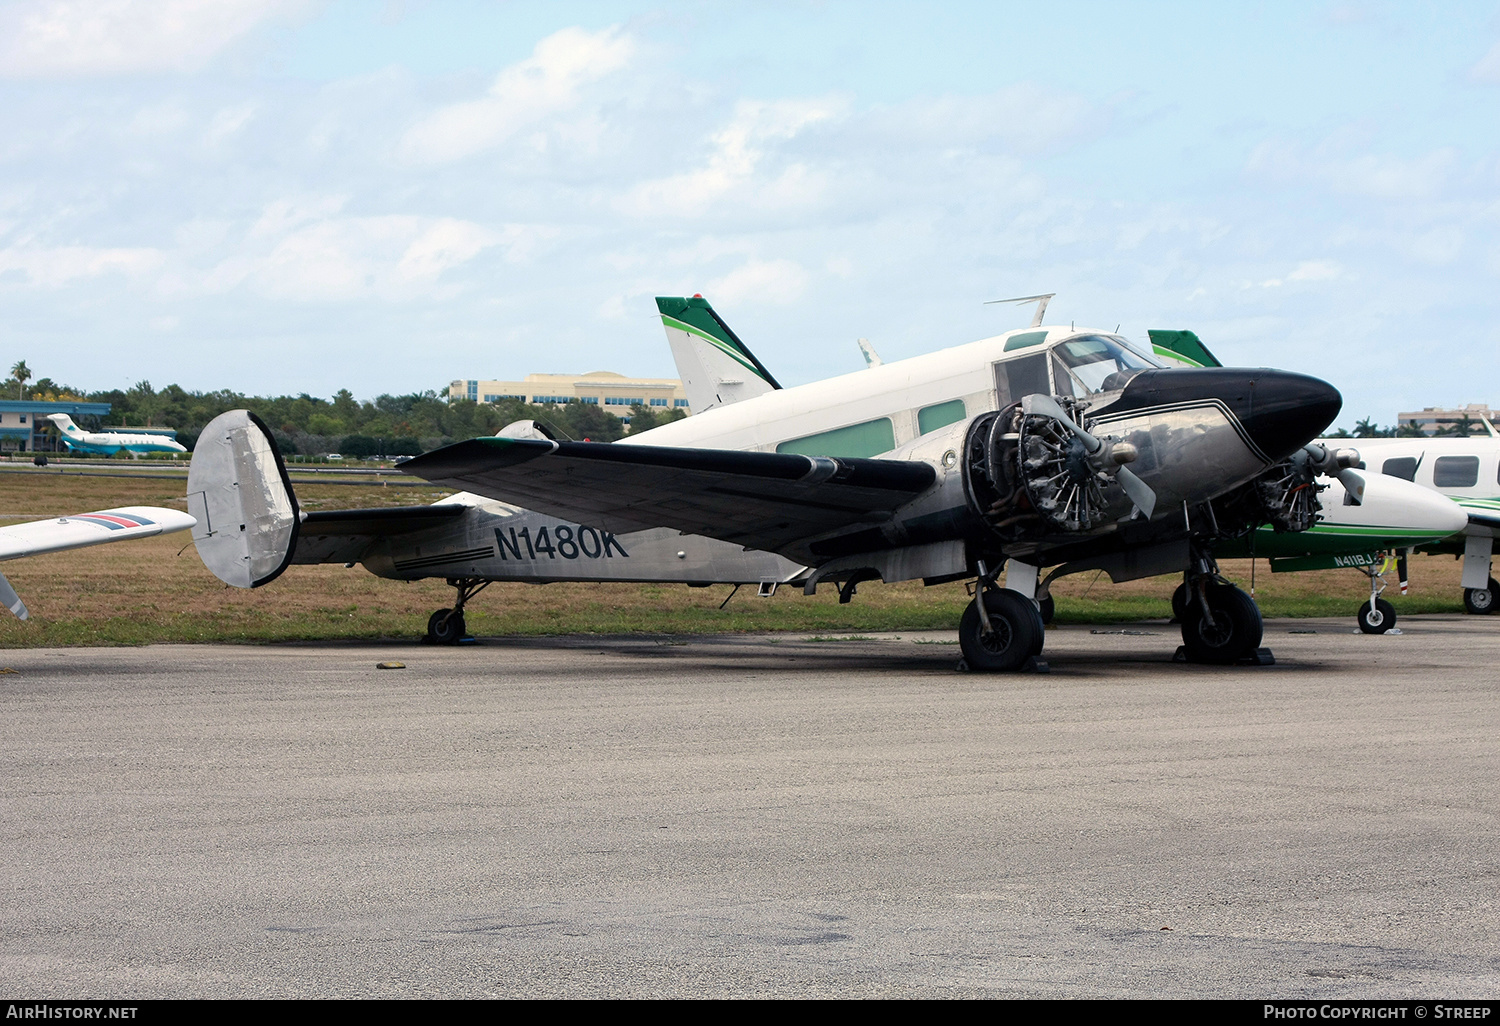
pixel 345 535
pixel 757 499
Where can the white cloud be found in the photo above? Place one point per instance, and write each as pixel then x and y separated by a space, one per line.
pixel 1379 176
pixel 762 281
pixel 734 165
pixel 544 85
pixel 43 38
pixel 283 215
pixel 1316 270
pixel 52 267
pixel 228 121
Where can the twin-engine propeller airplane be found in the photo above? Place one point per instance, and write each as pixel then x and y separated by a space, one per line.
pixel 1012 448
pixel 1043 446
pixel 107 443
pixel 1390 515
pixel 79 531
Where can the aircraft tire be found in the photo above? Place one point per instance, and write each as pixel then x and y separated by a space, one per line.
pixel 1018 633
pixel 1179 601
pixel 1480 601
pixel 1048 609
pixel 1380 621
pixel 444 628
pixel 1235 632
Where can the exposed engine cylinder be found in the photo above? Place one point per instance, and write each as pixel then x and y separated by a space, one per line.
pixel 1031 470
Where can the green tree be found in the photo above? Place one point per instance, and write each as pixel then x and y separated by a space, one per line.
pixel 21 374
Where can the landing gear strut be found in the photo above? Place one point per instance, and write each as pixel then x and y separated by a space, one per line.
pixel 446 626
pixel 1001 629
pixel 1377 615
pixel 1220 623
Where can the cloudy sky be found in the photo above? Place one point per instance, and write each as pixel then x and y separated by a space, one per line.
pixel 290 195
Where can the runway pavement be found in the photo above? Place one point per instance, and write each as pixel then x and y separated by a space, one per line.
pixel 756 816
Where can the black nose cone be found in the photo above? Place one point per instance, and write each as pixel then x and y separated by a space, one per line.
pixel 1280 411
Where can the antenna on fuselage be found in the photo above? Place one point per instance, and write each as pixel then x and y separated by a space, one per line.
pixel 1041 306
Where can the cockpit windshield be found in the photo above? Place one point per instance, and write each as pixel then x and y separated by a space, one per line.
pixel 1100 363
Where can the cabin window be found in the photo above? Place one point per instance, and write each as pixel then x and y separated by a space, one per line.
pixel 1026 376
pixel 871 438
pixel 930 418
pixel 1404 467
pixel 1455 472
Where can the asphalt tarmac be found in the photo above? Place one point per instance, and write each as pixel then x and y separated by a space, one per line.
pixel 756 816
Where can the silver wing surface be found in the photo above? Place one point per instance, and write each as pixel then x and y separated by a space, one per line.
pixel 761 500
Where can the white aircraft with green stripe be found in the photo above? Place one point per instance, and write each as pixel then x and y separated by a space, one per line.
pixel 1466 471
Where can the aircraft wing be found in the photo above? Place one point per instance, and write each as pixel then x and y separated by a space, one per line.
pixel 345 535
pixel 761 500
pixel 79 531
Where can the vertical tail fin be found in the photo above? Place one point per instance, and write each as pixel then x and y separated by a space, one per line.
pixel 716 367
pixel 247 515
pixel 1182 348
pixel 65 424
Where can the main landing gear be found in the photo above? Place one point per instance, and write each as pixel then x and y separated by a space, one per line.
pixel 1220 623
pixel 446 626
pixel 1001 630
pixel 1482 600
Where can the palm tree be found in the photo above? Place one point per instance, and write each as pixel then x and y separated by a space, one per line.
pixel 22 374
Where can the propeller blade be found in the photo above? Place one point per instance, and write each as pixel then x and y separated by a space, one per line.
pixel 9 598
pixel 1139 491
pixel 1354 487
pixel 1040 405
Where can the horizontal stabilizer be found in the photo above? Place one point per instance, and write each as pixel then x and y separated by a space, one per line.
pixel 760 500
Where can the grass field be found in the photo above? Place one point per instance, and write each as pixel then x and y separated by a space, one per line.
pixel 156 590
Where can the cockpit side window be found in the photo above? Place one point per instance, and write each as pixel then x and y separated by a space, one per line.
pixel 1062 381
pixel 1100 364
pixel 1017 378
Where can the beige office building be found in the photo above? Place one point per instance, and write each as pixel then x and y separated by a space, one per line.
pixel 1432 418
pixel 614 392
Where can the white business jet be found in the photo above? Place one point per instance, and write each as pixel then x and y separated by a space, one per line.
pixel 107 443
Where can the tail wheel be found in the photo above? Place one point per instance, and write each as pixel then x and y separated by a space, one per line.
pixel 1482 600
pixel 445 627
pixel 1232 633
pixel 1379 619
pixel 1017 632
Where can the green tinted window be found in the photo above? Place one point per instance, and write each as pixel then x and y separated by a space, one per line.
pixel 930 418
pixel 871 438
pixel 1026 338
